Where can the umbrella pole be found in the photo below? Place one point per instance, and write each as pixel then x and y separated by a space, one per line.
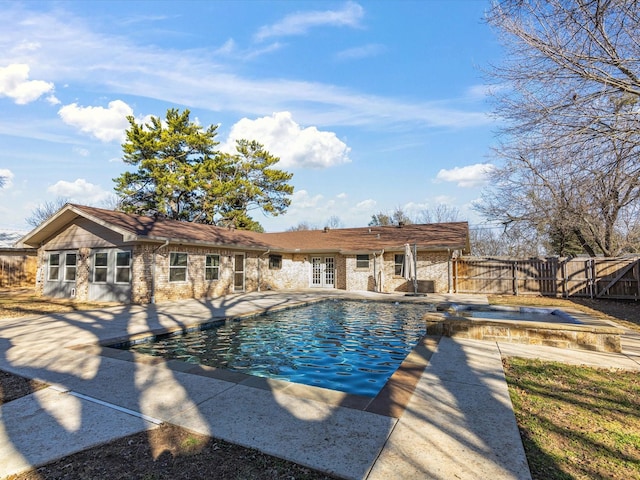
pixel 415 268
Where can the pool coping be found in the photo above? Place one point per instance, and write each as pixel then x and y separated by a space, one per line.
pixel 391 400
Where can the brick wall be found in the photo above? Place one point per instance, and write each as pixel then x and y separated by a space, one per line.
pixel 195 285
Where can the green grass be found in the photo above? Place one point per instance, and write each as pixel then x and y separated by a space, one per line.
pixel 576 422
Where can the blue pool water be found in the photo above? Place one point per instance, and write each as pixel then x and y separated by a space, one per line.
pixel 349 346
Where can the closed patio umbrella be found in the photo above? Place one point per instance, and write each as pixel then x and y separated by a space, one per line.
pixel 409 268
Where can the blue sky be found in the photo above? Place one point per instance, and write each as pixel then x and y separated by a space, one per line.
pixel 372 105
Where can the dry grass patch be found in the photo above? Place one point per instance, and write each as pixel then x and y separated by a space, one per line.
pixel 16 303
pixel 576 422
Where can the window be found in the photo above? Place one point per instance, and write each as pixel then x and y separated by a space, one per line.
pixel 212 267
pixel 54 266
pixel 123 267
pixel 399 265
pixel 100 267
pixel 70 267
pixel 362 261
pixel 178 267
pixel 275 262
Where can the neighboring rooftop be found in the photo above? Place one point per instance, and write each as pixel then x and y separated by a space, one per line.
pixel 8 238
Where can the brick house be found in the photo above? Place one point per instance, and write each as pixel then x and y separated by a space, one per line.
pixel 95 254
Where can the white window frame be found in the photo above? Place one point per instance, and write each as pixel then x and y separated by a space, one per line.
pixel 51 266
pixel 360 258
pixel 97 267
pixel 123 267
pixel 214 269
pixel 398 266
pixel 174 268
pixel 70 267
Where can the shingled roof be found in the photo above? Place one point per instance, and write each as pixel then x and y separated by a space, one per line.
pixel 434 236
pixel 137 228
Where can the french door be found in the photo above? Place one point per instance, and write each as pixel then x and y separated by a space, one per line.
pixel 323 272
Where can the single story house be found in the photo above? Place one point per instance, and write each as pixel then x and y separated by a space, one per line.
pixel 95 254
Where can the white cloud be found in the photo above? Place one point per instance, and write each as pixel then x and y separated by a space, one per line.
pixel 106 124
pixel 83 152
pixel 7 176
pixel 483 91
pixel 296 146
pixel 79 191
pixel 363 51
pixel 366 205
pixel 302 199
pixel 301 22
pixel 469 176
pixel 114 64
pixel 15 84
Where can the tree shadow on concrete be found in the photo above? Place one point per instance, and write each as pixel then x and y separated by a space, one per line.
pixel 440 422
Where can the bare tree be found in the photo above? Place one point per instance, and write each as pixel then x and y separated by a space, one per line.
pixel 441 213
pixel 570 97
pixel 45 211
pixel 495 241
pixel 301 226
pixel 112 202
pixel 396 217
pixel 334 222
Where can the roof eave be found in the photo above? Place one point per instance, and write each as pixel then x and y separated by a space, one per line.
pixel 196 243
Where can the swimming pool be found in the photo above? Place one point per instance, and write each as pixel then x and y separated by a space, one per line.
pixel 349 346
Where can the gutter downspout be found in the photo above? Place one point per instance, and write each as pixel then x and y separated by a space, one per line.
pixel 153 271
pixel 265 253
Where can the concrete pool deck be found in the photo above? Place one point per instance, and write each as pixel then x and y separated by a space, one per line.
pixel 456 420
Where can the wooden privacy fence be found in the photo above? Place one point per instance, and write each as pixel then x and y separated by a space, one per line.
pixel 600 277
pixel 17 268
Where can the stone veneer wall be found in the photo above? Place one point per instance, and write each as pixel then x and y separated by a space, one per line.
pixel 359 278
pixel 559 335
pixel 41 272
pixel 296 272
pixel 293 275
pixel 433 273
pixel 83 270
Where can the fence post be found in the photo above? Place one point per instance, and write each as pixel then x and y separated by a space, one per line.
pixel 591 276
pixel 636 274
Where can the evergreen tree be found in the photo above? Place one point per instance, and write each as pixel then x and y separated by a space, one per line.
pixel 182 176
